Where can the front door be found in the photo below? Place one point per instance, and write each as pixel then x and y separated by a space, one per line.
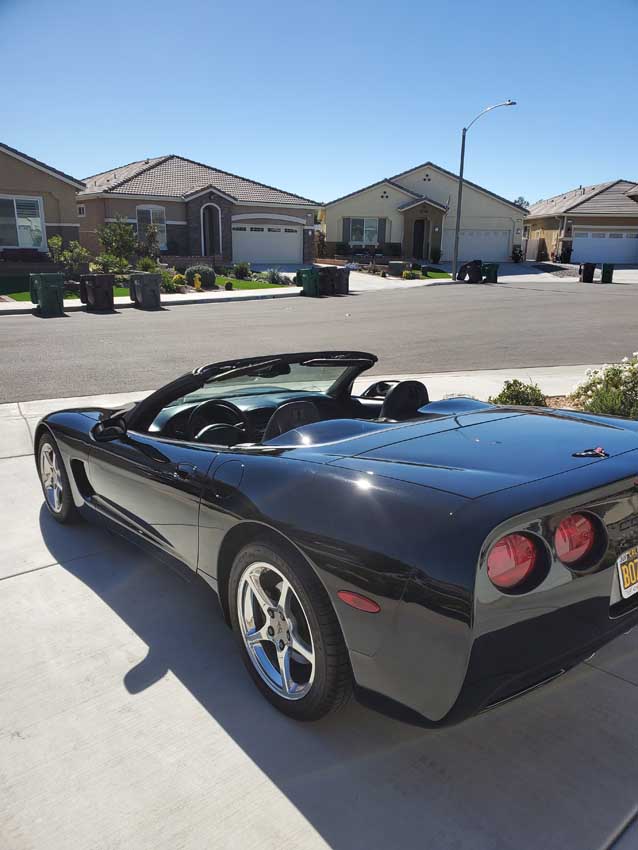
pixel 418 239
pixel 152 487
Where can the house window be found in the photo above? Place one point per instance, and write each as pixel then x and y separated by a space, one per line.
pixel 615 235
pixel 243 229
pixel 364 231
pixel 578 234
pixel 256 229
pixel 599 235
pixel 274 230
pixel 81 210
pixel 21 223
pixel 290 230
pixel 152 215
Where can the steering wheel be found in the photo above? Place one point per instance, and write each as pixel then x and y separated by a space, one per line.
pixel 215 411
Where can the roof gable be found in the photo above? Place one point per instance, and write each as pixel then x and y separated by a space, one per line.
pixel 386 181
pixel 176 177
pixel 600 198
pixel 41 166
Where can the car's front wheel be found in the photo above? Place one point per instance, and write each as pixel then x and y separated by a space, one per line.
pixel 54 481
pixel 288 632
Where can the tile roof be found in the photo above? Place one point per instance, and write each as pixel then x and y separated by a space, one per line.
pixel 177 177
pixel 15 152
pixel 611 198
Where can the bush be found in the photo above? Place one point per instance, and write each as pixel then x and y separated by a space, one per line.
pixel 206 273
pixel 117 238
pixel 109 264
pixel 146 264
pixel 241 271
pixel 179 280
pixel 411 275
pixel 516 392
pixel 391 249
pixel 435 253
pixel 611 390
pixel 168 282
pixel 275 276
pixel 55 248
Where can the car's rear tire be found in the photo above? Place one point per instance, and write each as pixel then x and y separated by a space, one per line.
pixel 54 481
pixel 288 633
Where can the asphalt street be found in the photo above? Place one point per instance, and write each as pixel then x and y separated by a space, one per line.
pixel 434 329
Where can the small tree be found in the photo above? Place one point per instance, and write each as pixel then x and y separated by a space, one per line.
pixel 55 248
pixel 522 202
pixel 74 258
pixel 117 238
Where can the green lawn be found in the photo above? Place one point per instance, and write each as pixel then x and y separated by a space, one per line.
pixel 245 284
pixel 26 296
pixel 438 274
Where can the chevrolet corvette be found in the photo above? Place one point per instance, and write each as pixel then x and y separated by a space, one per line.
pixel 440 556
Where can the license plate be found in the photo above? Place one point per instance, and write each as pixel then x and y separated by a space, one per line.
pixel 627 566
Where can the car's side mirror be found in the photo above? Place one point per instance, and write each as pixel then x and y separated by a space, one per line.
pixel 110 429
pixel 379 390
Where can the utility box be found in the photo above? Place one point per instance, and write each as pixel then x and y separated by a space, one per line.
pixel 47 292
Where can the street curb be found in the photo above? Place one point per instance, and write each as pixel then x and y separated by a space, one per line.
pixel 223 299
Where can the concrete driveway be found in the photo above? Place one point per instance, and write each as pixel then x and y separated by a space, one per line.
pixel 128 721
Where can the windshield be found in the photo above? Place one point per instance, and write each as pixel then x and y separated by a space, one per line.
pixel 274 377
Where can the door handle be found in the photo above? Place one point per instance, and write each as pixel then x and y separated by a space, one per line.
pixel 184 471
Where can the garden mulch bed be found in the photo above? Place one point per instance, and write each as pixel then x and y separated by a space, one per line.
pixel 556 270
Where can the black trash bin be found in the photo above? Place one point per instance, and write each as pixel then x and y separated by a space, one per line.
pixel 586 272
pixel 473 271
pixel 96 291
pixel 607 273
pixel 145 291
pixel 327 280
pixel 343 281
pixel 47 291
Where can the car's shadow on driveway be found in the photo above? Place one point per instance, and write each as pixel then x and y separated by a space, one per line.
pixel 556 769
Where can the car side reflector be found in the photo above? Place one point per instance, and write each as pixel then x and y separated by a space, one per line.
pixel 511 561
pixel 361 603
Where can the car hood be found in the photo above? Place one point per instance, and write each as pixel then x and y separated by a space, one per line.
pixel 480 453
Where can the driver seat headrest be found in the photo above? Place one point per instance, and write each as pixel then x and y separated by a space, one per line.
pixel 291 415
pixel 404 400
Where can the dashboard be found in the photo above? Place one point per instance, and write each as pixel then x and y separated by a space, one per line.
pixel 175 420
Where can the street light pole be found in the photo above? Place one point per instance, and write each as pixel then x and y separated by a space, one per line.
pixel 455 257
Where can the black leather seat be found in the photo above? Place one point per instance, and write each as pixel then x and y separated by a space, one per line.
pixel 404 400
pixel 291 415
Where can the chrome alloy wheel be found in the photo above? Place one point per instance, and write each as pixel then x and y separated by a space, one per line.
pixel 275 631
pixel 51 477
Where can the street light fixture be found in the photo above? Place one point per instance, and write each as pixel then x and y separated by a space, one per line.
pixel 455 257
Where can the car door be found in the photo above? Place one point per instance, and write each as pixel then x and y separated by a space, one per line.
pixel 153 487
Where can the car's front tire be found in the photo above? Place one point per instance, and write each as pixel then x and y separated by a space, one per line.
pixel 288 633
pixel 55 482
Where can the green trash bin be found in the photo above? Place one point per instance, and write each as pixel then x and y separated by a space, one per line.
pixel 144 290
pixel 490 272
pixel 47 292
pixel 607 273
pixel 309 280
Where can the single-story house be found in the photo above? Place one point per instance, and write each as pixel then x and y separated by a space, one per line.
pixel 413 214
pixel 36 202
pixel 200 211
pixel 591 223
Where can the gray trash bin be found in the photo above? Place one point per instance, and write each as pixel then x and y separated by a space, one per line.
pixel 145 291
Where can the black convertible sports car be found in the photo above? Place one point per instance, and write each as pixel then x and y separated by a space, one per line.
pixel 445 555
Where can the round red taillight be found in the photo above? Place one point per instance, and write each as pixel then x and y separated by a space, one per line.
pixel 511 560
pixel 574 538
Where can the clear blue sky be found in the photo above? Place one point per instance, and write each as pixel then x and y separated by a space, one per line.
pixel 322 98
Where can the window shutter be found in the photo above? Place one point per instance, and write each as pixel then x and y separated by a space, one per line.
pixel 381 231
pixel 345 233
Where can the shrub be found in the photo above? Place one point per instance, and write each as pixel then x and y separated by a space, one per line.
pixel 55 248
pixel 391 249
pixel 435 253
pixel 611 390
pixel 75 259
pixel 146 264
pixel 517 254
pixel 206 274
pixel 117 238
pixel 517 392
pixel 110 264
pixel 410 275
pixel 168 282
pixel 416 267
pixel 241 271
pixel 342 248
pixel 276 277
pixel 179 280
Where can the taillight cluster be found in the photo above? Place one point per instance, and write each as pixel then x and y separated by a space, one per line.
pixel 516 560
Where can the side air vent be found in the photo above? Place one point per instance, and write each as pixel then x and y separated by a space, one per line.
pixel 79 474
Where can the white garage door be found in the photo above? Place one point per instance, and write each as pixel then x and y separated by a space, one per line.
pixel 263 243
pixel 605 246
pixel 478 245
